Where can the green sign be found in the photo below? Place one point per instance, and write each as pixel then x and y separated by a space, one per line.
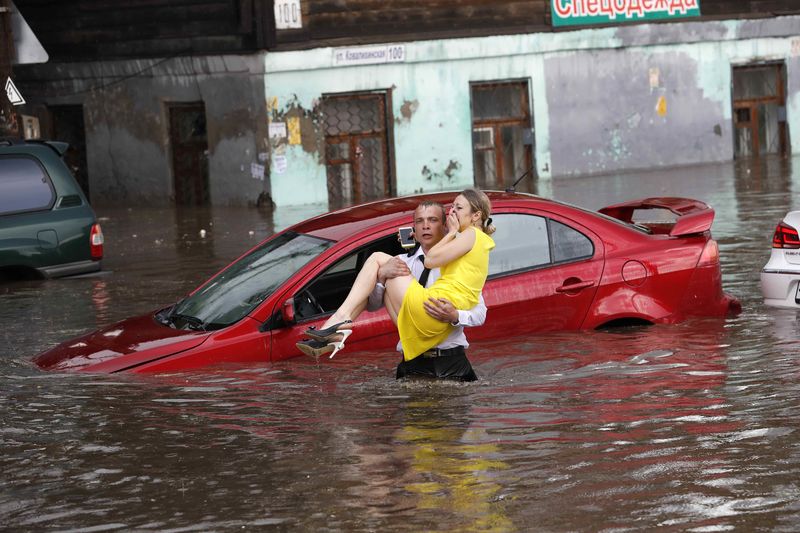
pixel 576 12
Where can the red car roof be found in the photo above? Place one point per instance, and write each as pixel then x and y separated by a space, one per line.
pixel 343 223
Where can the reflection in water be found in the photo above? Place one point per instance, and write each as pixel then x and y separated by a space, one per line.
pixel 686 427
pixel 454 469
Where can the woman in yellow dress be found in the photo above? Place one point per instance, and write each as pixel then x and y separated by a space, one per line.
pixel 463 257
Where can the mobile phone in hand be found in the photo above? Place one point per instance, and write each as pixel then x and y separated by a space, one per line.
pixel 406 235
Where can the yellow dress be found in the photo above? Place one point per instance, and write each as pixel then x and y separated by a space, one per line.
pixel 461 282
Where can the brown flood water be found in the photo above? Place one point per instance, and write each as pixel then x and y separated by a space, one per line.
pixel 691 427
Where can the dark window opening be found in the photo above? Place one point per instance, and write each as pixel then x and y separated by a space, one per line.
pixel 502 138
pixel 759 105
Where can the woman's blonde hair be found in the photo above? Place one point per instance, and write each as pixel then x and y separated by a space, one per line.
pixel 478 201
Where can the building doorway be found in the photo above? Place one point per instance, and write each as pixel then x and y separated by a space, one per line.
pixel 357 141
pixel 759 110
pixel 189 143
pixel 68 126
pixel 502 136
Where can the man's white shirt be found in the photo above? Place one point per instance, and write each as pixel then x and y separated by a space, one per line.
pixel 469 318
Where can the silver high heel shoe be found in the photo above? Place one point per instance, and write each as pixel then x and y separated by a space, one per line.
pixel 338 345
pixel 316 348
pixel 327 333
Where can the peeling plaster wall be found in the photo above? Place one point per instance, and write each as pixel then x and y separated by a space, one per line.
pixel 609 116
pixel 603 100
pixel 608 107
pixel 127 124
pixel 431 112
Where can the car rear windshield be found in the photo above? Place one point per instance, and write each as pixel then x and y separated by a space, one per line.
pixel 24 186
pixel 241 287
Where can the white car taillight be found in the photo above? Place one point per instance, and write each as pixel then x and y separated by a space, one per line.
pixel 96 242
pixel 710 255
pixel 785 237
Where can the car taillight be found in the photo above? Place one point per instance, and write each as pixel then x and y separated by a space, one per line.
pixel 96 242
pixel 785 237
pixel 710 255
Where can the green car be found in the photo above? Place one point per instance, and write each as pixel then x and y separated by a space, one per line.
pixel 47 227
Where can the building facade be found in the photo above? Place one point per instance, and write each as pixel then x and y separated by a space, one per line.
pixel 342 102
pixel 485 110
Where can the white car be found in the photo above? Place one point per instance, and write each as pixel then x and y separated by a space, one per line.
pixel 780 277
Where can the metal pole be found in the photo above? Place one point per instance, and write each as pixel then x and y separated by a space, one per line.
pixel 9 120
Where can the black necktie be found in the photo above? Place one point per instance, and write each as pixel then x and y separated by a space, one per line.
pixel 423 278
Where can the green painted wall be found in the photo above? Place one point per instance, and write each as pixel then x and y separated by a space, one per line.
pixel 594 103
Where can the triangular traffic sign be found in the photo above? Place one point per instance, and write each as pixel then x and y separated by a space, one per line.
pixel 13 93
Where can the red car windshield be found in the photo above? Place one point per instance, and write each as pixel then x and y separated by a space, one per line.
pixel 241 287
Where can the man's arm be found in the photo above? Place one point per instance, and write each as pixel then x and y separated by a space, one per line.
pixel 473 317
pixel 444 311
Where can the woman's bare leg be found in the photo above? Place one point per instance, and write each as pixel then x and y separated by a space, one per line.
pixel 356 299
pixel 395 292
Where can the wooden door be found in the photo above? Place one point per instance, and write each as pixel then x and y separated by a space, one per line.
pixel 189 142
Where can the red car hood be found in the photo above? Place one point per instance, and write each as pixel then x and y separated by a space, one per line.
pixel 122 345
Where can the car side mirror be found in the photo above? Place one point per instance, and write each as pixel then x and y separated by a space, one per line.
pixel 287 312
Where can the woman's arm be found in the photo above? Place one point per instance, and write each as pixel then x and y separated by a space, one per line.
pixel 450 248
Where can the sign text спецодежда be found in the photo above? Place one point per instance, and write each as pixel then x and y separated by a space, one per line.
pixel 574 12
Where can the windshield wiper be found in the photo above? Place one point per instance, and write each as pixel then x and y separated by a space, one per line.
pixel 169 316
pixel 193 322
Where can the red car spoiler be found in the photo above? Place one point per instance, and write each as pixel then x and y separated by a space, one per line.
pixel 694 216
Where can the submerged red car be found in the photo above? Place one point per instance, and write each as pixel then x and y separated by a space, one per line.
pixel 554 267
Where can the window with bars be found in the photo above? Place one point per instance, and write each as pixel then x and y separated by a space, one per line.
pixel 502 139
pixel 357 154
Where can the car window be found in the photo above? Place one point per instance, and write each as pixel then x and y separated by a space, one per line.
pixel 238 289
pixel 525 241
pixel 569 244
pixel 348 264
pixel 520 242
pixel 24 186
pixel 327 292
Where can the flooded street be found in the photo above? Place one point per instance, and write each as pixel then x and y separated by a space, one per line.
pixel 691 427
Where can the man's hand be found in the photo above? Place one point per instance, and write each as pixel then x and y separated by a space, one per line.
pixel 393 268
pixel 441 309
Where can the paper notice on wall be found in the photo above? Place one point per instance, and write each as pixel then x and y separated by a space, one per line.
pixel 661 106
pixel 277 130
pixel 294 130
pixel 257 171
pixel 279 164
pixel 655 78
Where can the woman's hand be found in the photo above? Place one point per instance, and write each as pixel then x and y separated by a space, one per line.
pixel 452 222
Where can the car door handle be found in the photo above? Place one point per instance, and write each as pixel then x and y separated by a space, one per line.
pixel 574 287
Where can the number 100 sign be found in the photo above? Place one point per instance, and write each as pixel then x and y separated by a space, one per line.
pixel 287 14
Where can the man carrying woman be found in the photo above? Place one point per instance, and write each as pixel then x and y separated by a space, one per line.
pixel 448 359
pixel 463 258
